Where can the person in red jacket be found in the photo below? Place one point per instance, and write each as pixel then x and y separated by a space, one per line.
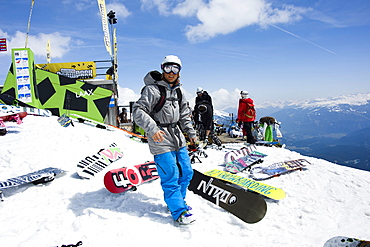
pixel 246 116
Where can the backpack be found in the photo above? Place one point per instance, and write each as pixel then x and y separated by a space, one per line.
pixel 163 98
pixel 250 112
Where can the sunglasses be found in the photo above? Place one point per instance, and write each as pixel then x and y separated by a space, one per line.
pixel 168 68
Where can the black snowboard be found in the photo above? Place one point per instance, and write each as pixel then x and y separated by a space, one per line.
pixel 247 206
pixel 10 100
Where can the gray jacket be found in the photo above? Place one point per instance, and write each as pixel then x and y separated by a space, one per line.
pixel 172 111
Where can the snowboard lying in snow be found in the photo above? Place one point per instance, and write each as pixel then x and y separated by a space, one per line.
pixel 239 160
pixel 277 169
pixel 242 164
pixel 11 116
pixel 341 241
pixel 95 163
pixel 37 177
pixel 127 178
pixel 92 122
pixel 261 188
pixel 29 110
pixel 236 154
pixel 247 206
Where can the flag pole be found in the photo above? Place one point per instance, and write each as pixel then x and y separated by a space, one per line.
pixel 29 23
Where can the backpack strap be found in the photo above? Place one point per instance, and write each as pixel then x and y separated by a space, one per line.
pixel 163 98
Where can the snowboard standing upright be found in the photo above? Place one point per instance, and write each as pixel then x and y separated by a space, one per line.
pixel 93 164
pixel 247 206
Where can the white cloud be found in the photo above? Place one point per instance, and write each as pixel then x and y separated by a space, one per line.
pixel 126 95
pixel 221 99
pixel 163 6
pixel 188 8
pixel 59 44
pixel 220 17
pixel 120 10
pixel 227 16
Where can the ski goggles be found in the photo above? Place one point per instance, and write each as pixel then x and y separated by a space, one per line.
pixel 168 68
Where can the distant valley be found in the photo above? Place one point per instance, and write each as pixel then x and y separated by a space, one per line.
pixel 336 129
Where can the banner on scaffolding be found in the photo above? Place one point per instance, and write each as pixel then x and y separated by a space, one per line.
pixel 56 93
pixel 74 70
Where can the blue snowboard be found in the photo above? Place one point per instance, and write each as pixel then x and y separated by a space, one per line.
pixel 42 176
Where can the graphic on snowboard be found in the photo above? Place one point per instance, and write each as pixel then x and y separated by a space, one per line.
pixel 127 178
pixel 29 110
pixel 341 241
pixel 277 169
pixel 247 206
pixel 41 176
pixel 239 160
pixel 236 154
pixel 261 188
pixel 93 164
pixel 241 164
pixel 10 117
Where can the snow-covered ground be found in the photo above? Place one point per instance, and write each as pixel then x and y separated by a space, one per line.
pixel 324 201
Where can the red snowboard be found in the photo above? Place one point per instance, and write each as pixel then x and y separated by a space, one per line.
pixel 127 178
pixel 16 117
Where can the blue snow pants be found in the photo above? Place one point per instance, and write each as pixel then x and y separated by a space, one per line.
pixel 175 171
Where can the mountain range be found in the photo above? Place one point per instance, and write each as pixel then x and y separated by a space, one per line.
pixel 336 129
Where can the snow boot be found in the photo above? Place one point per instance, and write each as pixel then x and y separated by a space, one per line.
pixel 186 218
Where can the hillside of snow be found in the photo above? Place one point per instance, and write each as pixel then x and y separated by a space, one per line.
pixel 323 201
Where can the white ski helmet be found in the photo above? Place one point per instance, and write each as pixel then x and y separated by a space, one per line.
pixel 244 94
pixel 199 90
pixel 171 59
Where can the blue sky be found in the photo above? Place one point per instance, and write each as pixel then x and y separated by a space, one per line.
pixel 275 49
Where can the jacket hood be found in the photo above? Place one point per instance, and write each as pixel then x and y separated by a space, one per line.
pixel 152 77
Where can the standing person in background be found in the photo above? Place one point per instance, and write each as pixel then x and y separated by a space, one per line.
pixel 203 112
pixel 165 138
pixel 122 117
pixel 246 116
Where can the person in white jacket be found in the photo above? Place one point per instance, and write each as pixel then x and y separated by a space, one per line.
pixel 165 134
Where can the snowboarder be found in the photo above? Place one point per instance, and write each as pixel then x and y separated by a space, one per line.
pixel 203 113
pixel 246 116
pixel 165 138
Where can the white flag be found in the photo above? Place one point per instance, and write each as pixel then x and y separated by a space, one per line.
pixel 104 21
